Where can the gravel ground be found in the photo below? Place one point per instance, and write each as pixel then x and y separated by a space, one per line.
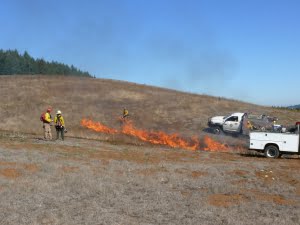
pixel 83 181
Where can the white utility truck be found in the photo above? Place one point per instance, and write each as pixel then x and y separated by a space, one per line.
pixel 228 124
pixel 236 123
pixel 273 144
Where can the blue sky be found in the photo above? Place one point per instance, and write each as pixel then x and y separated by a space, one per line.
pixel 243 49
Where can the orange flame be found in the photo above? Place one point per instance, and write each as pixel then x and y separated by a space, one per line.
pixel 96 126
pixel 160 138
pixel 157 137
pixel 212 145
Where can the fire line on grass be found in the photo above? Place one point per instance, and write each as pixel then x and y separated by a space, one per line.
pixel 157 137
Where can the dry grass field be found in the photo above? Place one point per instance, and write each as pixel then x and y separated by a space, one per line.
pixel 24 98
pixel 94 178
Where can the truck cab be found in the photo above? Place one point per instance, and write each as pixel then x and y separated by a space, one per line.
pixel 233 123
pixel 228 124
pixel 273 144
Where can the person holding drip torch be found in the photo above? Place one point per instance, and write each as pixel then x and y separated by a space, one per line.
pixel 125 113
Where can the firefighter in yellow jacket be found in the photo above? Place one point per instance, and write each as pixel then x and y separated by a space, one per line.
pixel 46 124
pixel 249 125
pixel 59 125
pixel 125 113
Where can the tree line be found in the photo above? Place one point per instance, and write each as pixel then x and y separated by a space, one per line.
pixel 14 63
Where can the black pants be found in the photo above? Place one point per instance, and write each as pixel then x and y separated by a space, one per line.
pixel 62 133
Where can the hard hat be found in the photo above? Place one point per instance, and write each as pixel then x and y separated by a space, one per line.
pixel 58 112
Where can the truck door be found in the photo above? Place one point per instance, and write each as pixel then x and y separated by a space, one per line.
pixel 231 124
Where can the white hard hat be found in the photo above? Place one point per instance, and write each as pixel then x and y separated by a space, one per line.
pixel 58 112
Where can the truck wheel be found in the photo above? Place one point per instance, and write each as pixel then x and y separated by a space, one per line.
pixel 272 151
pixel 217 130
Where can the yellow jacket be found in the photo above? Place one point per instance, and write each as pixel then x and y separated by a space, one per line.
pixel 249 125
pixel 125 113
pixel 59 121
pixel 47 117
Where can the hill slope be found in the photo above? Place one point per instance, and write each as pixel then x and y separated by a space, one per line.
pixel 87 181
pixel 25 97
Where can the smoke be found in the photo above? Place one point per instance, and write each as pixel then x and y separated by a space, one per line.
pixel 211 66
pixel 203 67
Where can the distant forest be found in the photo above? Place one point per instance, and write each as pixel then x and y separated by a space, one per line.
pixel 13 63
pixel 294 107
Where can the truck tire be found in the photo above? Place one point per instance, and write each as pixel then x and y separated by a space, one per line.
pixel 217 130
pixel 272 151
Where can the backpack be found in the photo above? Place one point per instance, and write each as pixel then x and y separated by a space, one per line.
pixel 42 117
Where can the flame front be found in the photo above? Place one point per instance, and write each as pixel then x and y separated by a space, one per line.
pixel 96 126
pixel 212 145
pixel 158 137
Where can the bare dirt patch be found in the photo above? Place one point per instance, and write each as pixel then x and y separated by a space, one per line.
pixel 4 163
pixel 277 199
pixel 33 168
pixel 226 200
pixel 10 173
pixel 274 198
pixel 267 176
pixel 196 174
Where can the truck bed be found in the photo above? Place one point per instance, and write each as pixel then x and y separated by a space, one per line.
pixel 286 142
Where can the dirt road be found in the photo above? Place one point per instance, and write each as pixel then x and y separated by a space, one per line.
pixel 82 181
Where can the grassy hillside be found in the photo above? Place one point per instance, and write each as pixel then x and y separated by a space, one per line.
pixel 83 181
pixel 23 98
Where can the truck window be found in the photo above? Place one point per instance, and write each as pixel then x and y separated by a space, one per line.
pixel 233 119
